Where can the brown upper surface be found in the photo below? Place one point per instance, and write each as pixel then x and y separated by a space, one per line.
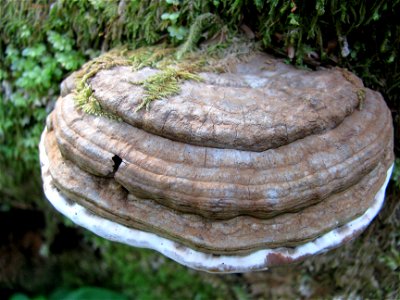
pixel 260 104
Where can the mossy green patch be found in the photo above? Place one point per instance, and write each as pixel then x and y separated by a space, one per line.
pixel 201 23
pixel 174 65
pixel 361 98
pixel 161 85
pixel 84 97
pixel 164 84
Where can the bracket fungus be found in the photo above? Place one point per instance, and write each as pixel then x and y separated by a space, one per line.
pixel 238 164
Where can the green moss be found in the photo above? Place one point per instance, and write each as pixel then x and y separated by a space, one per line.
pixel 201 23
pixel 84 98
pixel 361 98
pixel 150 56
pixel 157 87
pixel 145 274
pixel 173 70
pixel 164 85
pixel 86 101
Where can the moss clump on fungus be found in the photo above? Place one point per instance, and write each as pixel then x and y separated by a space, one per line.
pixel 84 97
pixel 361 98
pixel 175 66
pixel 164 84
pixel 161 85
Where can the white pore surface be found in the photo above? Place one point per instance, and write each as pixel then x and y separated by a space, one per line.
pixel 255 261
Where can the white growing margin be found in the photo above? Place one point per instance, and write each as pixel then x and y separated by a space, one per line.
pixel 256 261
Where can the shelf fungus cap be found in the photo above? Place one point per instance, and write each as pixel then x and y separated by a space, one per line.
pixel 239 163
